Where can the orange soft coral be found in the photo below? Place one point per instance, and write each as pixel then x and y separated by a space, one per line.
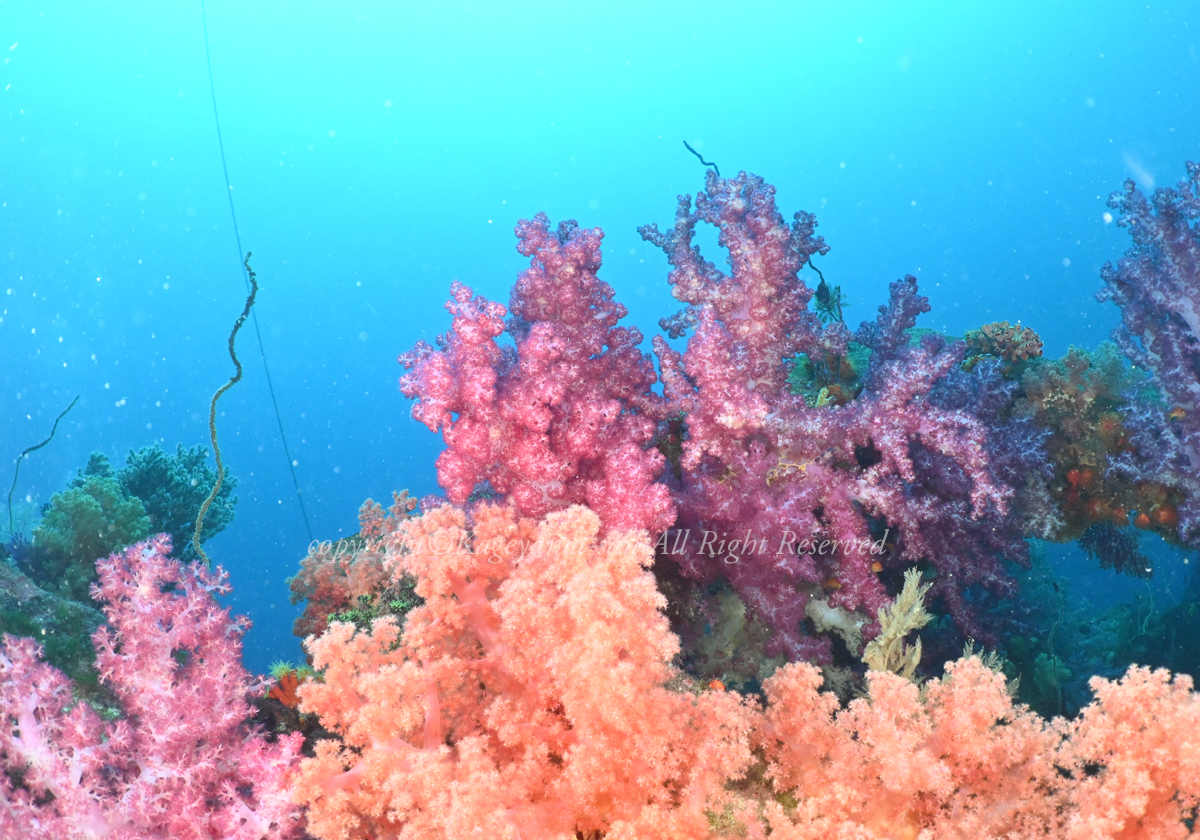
pixel 526 698
pixel 285 690
pixel 1135 753
pixel 958 760
pixel 335 574
pixel 957 757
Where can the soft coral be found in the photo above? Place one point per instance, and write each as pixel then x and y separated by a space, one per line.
pixel 181 763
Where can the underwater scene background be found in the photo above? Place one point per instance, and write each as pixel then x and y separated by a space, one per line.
pixel 377 153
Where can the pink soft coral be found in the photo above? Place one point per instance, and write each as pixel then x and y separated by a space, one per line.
pixel 525 699
pixel 181 763
pixel 566 416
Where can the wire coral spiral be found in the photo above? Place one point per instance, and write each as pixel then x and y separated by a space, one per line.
pixel 212 410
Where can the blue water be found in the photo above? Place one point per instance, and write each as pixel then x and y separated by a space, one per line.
pixel 378 151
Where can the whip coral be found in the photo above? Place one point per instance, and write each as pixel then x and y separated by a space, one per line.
pixel 531 687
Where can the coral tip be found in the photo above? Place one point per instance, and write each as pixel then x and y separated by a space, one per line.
pixel 1166 516
pixel 285 691
pixel 1080 478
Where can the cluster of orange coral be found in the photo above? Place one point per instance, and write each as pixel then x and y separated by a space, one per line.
pixel 1077 398
pixel 530 697
pixel 1011 343
pixel 285 689
pixel 526 697
pixel 335 573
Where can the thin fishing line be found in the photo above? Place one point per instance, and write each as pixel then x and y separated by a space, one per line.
pixel 212 89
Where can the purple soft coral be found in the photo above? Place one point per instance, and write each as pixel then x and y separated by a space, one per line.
pixel 762 303
pixel 783 498
pixel 1157 286
pixel 888 335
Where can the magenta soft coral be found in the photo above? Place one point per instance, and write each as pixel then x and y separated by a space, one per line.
pixel 760 464
pixel 181 763
pixel 565 417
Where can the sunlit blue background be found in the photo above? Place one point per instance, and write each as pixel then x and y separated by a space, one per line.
pixel 379 150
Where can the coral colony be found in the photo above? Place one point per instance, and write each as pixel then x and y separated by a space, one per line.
pixel 618 621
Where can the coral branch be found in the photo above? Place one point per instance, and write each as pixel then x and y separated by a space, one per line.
pixel 180 763
pixel 568 416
